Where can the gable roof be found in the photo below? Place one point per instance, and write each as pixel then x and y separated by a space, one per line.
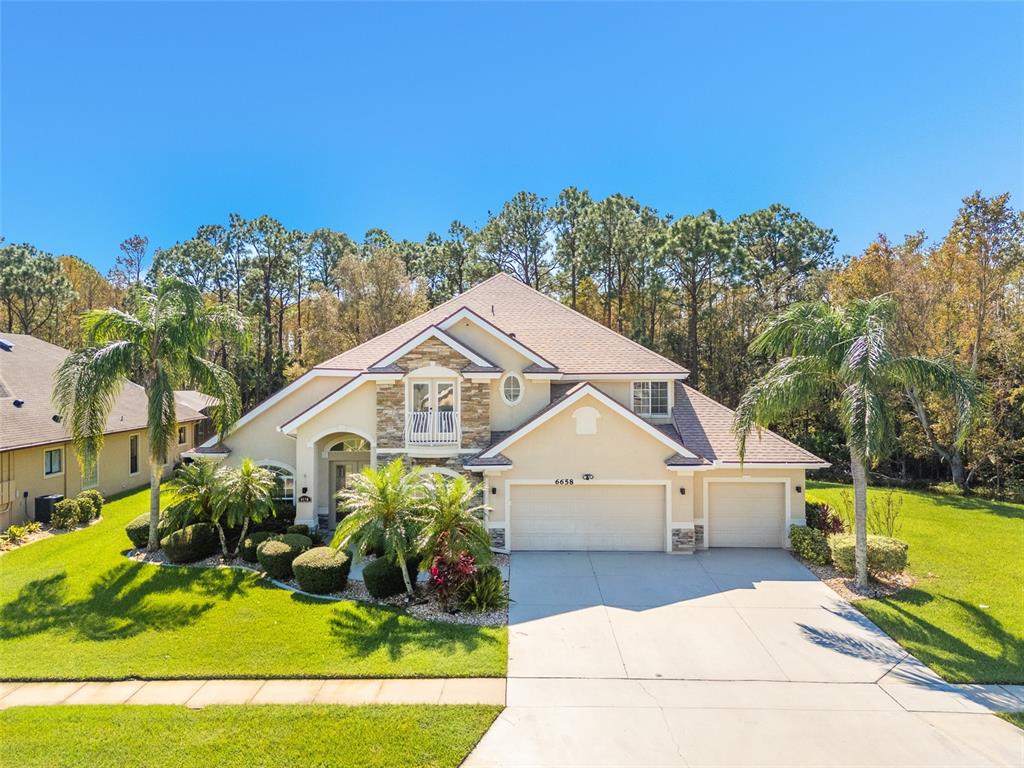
pixel 706 428
pixel 431 332
pixel 557 334
pixel 27 369
pixel 576 393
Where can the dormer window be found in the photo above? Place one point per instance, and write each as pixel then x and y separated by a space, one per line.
pixel 650 398
pixel 511 388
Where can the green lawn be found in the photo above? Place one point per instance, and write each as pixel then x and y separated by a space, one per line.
pixel 242 736
pixel 1017 718
pixel 964 618
pixel 72 607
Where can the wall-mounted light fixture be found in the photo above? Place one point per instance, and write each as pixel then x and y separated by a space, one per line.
pixel 305 490
pixel 682 491
pixel 798 489
pixel 494 491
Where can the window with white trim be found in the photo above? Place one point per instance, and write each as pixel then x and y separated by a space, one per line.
pixel 53 462
pixel 650 398
pixel 511 388
pixel 182 435
pixel 133 455
pixel 91 477
pixel 284 483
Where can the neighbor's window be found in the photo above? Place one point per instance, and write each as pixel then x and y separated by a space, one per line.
pixel 182 435
pixel 91 478
pixel 512 389
pixel 133 455
pixel 53 462
pixel 650 398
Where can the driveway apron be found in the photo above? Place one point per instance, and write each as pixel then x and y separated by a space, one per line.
pixel 727 657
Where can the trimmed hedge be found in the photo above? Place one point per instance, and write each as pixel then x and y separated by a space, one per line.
pixel 810 544
pixel 251 541
pixel 384 579
pixel 138 530
pixel 67 513
pixel 302 530
pixel 322 570
pixel 885 555
pixel 91 501
pixel 97 499
pixel 191 543
pixel 277 554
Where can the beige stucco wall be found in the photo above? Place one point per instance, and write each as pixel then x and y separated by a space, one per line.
pixel 536 394
pixel 259 439
pixel 26 471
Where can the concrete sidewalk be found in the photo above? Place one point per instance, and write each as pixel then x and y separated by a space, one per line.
pixel 200 693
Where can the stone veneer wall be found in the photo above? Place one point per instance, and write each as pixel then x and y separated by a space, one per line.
pixel 475 399
pixel 682 539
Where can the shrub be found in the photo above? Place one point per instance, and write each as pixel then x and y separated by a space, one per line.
pixel 191 543
pixel 299 528
pixel 810 544
pixel 251 542
pixel 277 554
pixel 485 591
pixel 822 517
pixel 86 508
pixel 384 579
pixel 885 555
pixel 447 579
pixel 15 534
pixel 284 511
pixel 66 513
pixel 138 530
pixel 97 500
pixel 322 570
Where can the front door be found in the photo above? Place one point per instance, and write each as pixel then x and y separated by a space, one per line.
pixel 341 473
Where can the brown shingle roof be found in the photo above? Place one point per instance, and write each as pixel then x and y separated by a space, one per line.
pixel 27 370
pixel 571 341
pixel 706 428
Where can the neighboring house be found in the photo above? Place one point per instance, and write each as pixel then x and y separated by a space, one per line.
pixel 36 455
pixel 582 438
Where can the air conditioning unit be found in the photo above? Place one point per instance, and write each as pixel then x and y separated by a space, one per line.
pixel 45 505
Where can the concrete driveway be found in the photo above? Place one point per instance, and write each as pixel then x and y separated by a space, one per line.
pixel 728 657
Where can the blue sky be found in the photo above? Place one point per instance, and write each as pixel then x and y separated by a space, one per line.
pixel 155 118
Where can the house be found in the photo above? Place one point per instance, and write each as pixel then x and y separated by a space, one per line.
pixel 36 455
pixel 582 438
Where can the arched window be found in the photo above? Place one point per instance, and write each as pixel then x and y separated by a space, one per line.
pixel 284 481
pixel 351 444
pixel 511 388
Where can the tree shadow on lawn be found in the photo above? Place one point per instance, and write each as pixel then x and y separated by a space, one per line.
pixel 364 630
pixel 118 604
pixel 953 655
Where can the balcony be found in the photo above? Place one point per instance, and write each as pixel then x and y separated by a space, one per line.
pixel 433 429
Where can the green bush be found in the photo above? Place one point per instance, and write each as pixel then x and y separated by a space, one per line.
pixel 86 508
pixel 322 570
pixel 300 529
pixel 277 554
pixel 384 579
pixel 97 499
pixel 251 541
pixel 885 555
pixel 191 543
pixel 138 530
pixel 810 544
pixel 66 513
pixel 485 591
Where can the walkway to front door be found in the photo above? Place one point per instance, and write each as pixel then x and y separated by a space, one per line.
pixel 728 657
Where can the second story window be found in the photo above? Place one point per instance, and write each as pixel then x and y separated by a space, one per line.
pixel 650 398
pixel 511 389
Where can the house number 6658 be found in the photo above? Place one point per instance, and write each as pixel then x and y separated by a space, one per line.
pixel 564 481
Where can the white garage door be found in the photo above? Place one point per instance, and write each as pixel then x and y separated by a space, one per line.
pixel 746 514
pixel 588 517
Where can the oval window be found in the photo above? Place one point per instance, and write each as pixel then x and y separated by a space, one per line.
pixel 512 389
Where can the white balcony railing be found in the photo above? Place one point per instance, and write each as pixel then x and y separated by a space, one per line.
pixel 433 428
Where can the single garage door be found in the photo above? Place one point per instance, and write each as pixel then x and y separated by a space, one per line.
pixel 746 514
pixel 588 517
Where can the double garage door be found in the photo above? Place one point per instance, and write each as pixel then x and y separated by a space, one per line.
pixel 632 517
pixel 588 517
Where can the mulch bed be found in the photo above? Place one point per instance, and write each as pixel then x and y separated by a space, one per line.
pixel 846 587
pixel 424 606
pixel 46 533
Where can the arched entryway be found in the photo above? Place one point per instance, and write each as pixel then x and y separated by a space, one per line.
pixel 340 456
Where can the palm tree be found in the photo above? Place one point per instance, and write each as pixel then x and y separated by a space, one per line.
pixel 452 520
pixel 382 506
pixel 161 345
pixel 195 490
pixel 843 357
pixel 243 494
